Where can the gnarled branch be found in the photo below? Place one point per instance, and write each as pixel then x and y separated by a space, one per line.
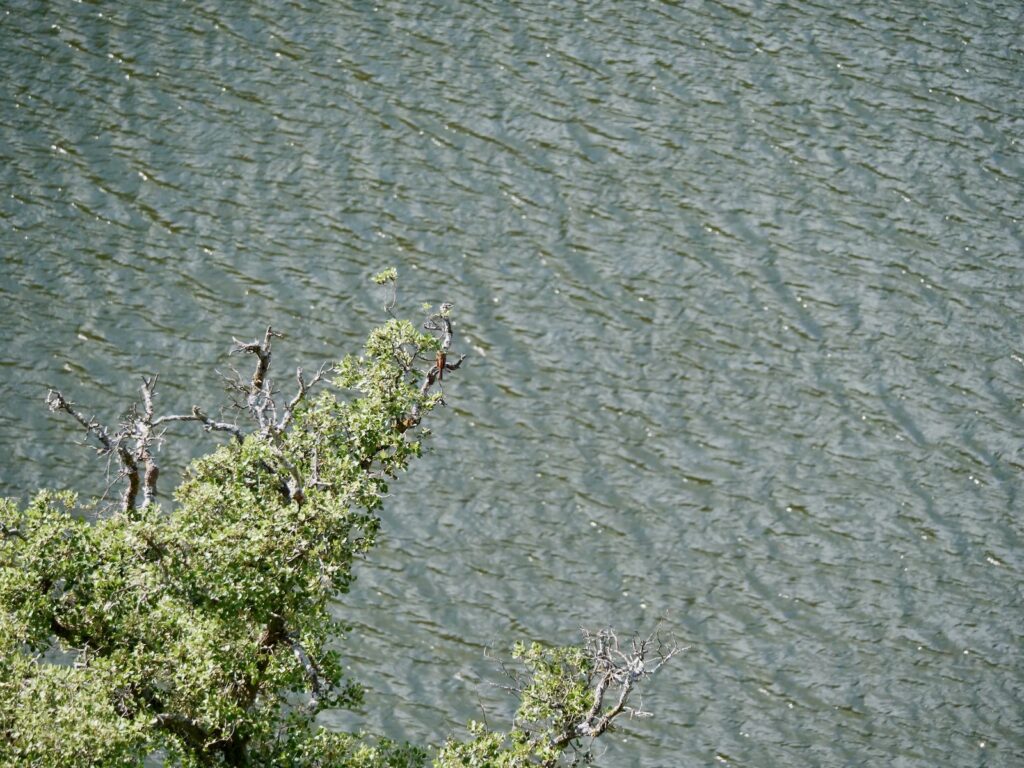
pixel 439 321
pixel 302 392
pixel 614 667
pixel 259 400
pixel 109 445
pixel 208 423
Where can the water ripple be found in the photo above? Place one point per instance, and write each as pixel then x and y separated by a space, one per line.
pixel 741 287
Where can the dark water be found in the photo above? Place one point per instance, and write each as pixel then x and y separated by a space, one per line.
pixel 742 286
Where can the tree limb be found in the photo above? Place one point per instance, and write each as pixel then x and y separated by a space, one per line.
pixel 612 667
pixel 259 400
pixel 304 389
pixel 262 352
pixel 208 423
pixel 144 429
pixel 294 483
pixel 318 685
pixel 129 467
pixel 439 321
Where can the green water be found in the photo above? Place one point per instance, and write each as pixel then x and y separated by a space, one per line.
pixel 742 290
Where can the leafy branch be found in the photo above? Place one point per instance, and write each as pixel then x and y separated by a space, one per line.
pixel 201 632
pixel 568 698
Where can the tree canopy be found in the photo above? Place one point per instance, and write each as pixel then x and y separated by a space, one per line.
pixel 197 631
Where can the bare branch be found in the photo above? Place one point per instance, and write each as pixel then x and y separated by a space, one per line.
pixel 234 382
pixel 208 423
pixel 318 685
pixel 624 669
pixel 55 401
pixel 262 352
pixel 260 401
pixel 260 404
pixel 303 391
pixel 439 321
pixel 11 533
pixel 110 445
pixel 144 437
pixel 616 672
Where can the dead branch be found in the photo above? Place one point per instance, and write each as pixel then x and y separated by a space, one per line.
pixel 262 352
pixel 142 423
pixel 302 392
pixel 439 321
pixel 616 672
pixel 55 401
pixel 109 445
pixel 208 423
pixel 144 437
pixel 261 405
pixel 318 685
pixel 260 401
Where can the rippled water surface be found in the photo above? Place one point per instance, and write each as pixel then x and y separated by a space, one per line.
pixel 742 290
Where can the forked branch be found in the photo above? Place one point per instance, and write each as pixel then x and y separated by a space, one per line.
pixel 301 394
pixel 262 352
pixel 439 321
pixel 614 666
pixel 209 424
pixel 109 444
pixel 135 443
pixel 259 399
pixel 615 673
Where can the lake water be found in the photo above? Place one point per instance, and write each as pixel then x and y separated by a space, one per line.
pixel 741 286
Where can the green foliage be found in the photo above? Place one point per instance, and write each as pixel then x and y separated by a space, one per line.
pixel 200 634
pixel 388 275
pixel 554 695
pixel 189 631
pixel 303 747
